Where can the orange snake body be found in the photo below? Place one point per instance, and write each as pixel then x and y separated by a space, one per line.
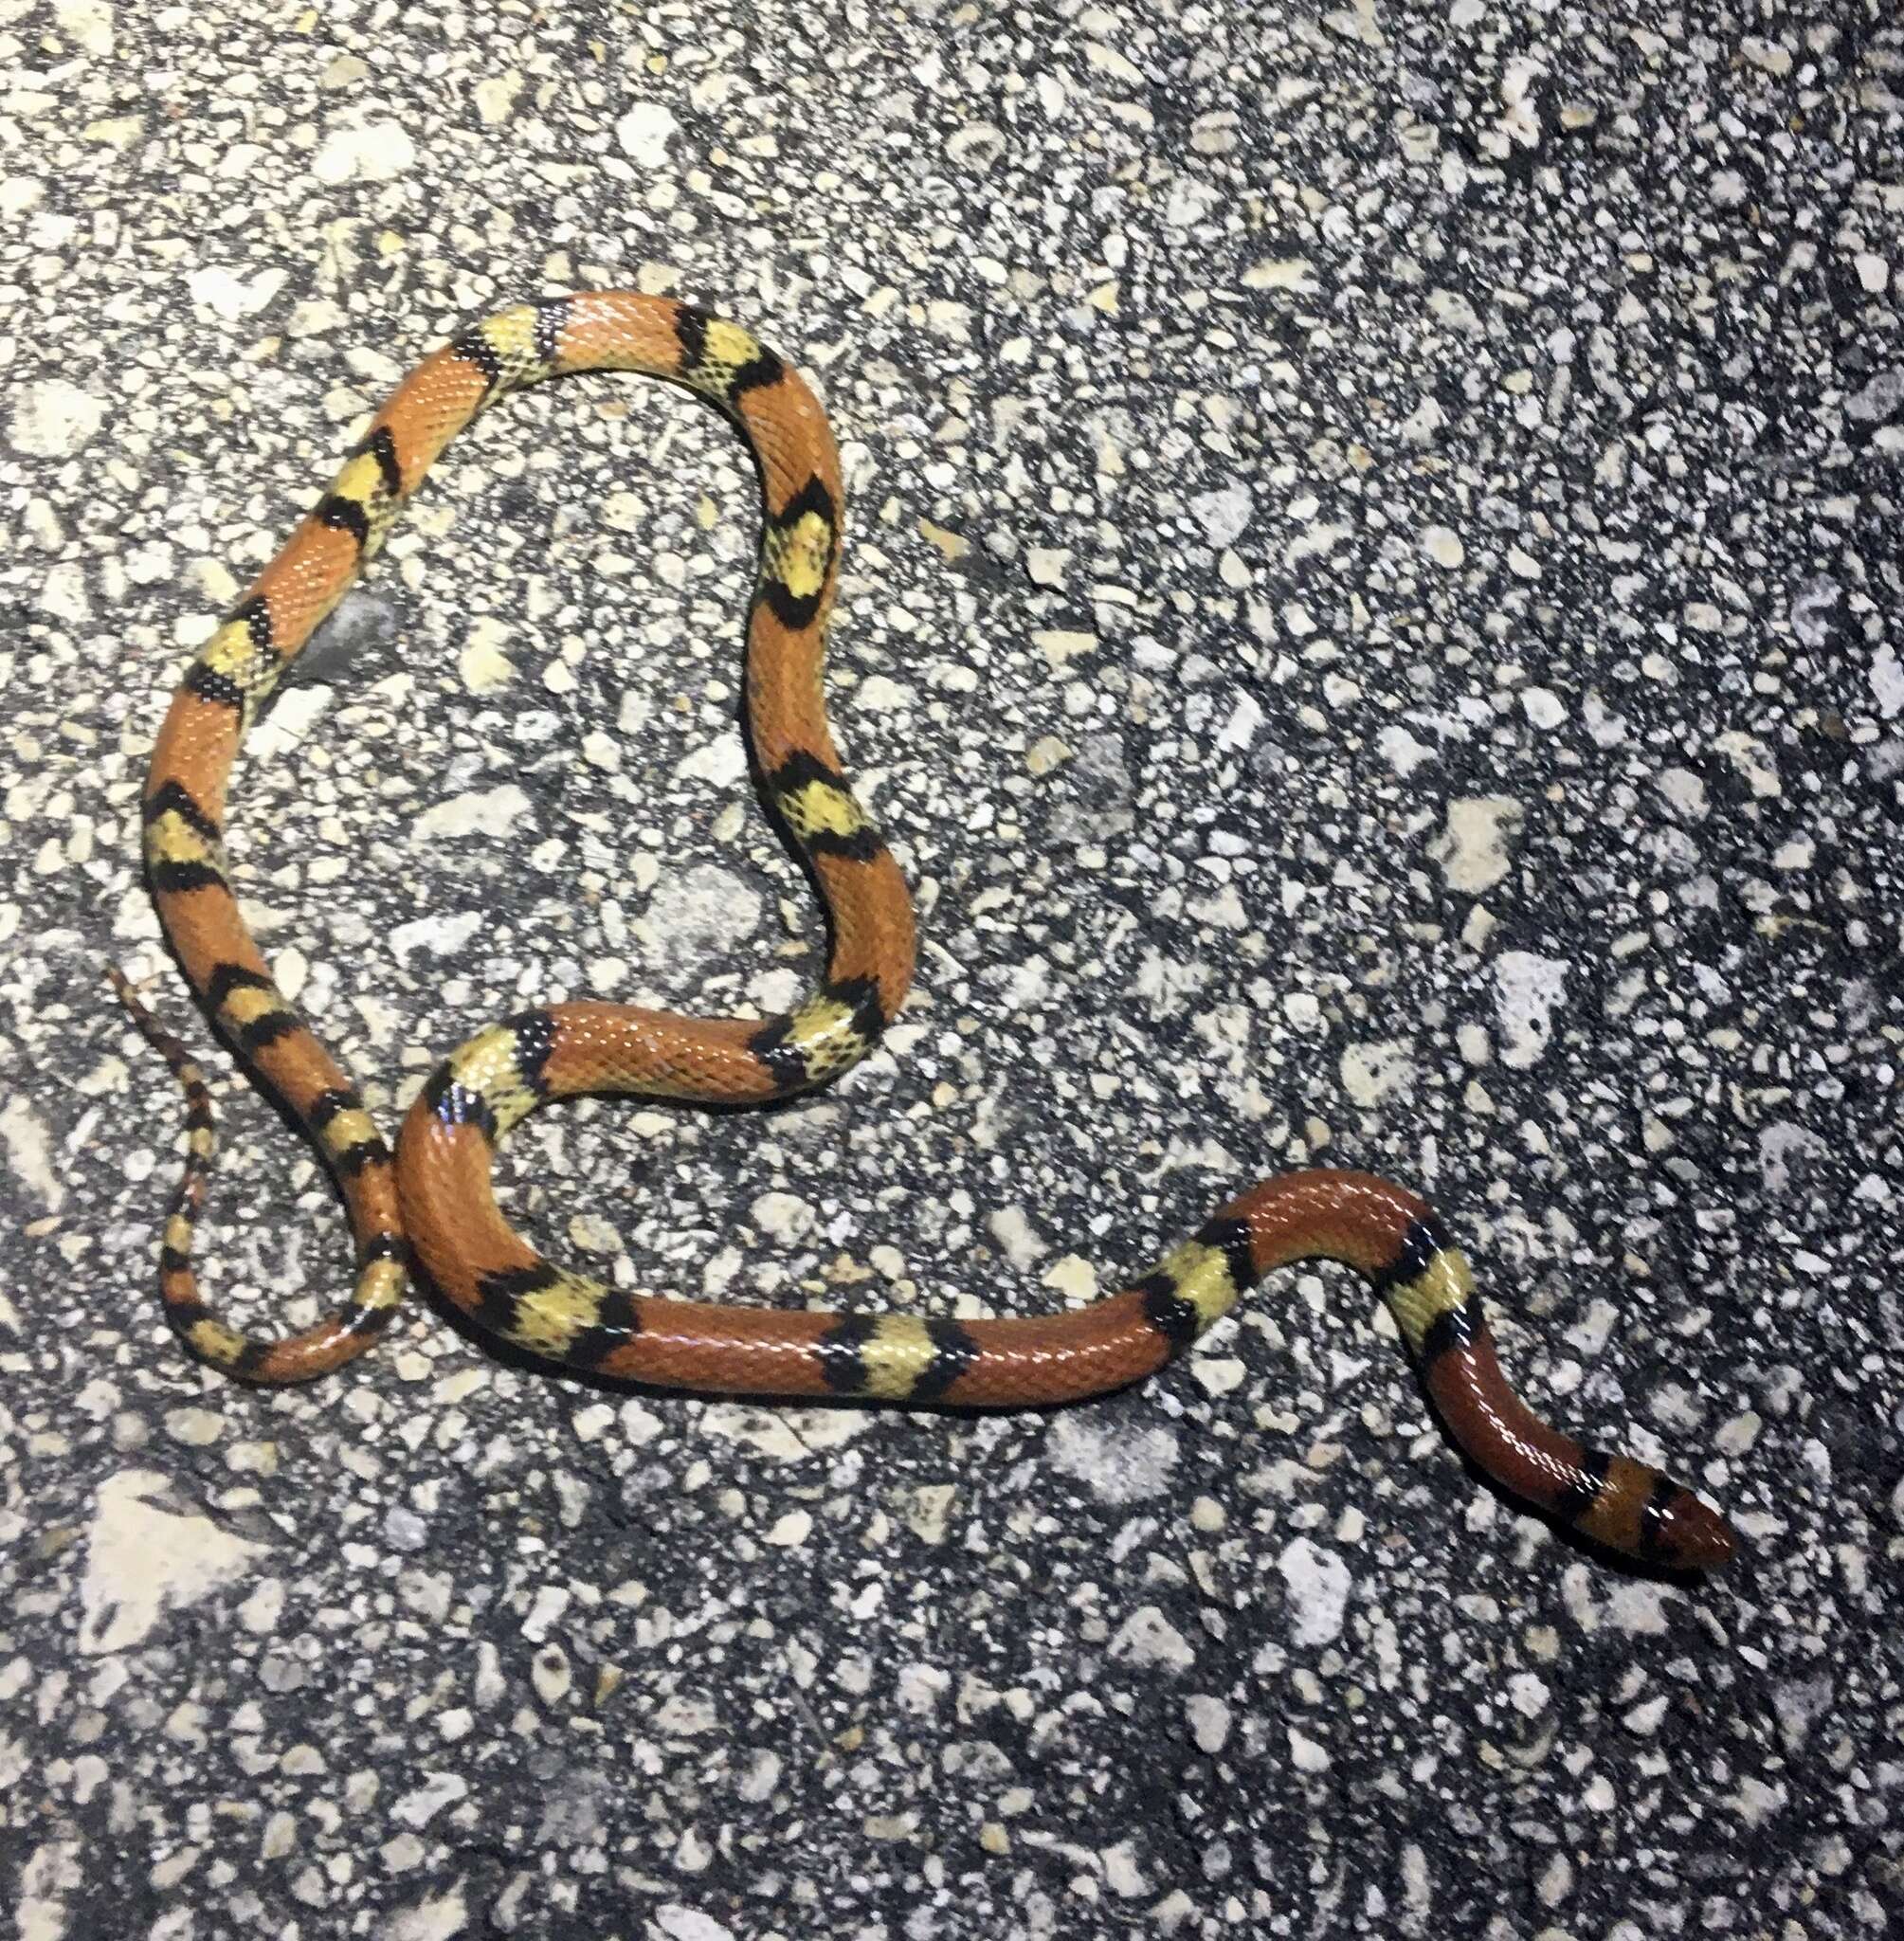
pixel 432 1203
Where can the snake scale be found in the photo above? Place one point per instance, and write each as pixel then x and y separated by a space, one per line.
pixel 430 1203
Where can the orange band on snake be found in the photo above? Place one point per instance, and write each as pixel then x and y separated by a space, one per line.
pixel 434 1205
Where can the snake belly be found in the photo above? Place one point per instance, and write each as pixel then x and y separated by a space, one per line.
pixel 432 1203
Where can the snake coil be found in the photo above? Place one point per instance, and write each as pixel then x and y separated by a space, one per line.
pixel 433 1202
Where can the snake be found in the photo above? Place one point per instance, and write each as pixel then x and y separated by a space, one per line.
pixel 426 1206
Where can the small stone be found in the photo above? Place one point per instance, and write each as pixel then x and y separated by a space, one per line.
pixel 53 419
pixel 1117 1465
pixel 369 152
pixel 88 24
pixel 1543 707
pixel 1753 759
pixel 294 714
pixel 1216 132
pixel 495 97
pixel 114 131
pixel 232 297
pixel 439 1789
pixel 1473 847
pixel 144 1559
pixel 929 1506
pixel 678 1923
pixel 551 1602
pixel 1685 791
pixel 1316 1584
pixel 1281 273
pixel 1245 724
pixel 645 132
pixel 1024 1246
pixel 1060 645
pixel 1527 987
pixel 1209 1721
pixel 261 1612
pixel 1218 1374
pixel 1799 1704
pixel 200 1427
pixel 951 546
pixel 1443 546
pixel 1755 1802
pixel 1879 398
pixel 592 1422
pixel 1122 1875
pixel 1556 1880
pixel 1074 1277
pixel 436 1917
pixel 1887 681
pixel 694 917
pixel 1528 1693
pixel 27 1139
pixel 977 146
pixel 1737 1437
pixel 480 812
pixel 1373 1073
pixel 482 665
pixel 1401 751
pixel 550 1673
pixel 761 1776
pixel 1224 514
pixel 1146 1637
pixel 783 1216
pixel 436 936
pixel 880 694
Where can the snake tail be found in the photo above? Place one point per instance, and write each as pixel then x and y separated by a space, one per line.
pixel 351 1144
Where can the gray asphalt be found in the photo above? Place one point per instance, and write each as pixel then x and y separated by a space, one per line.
pixel 1371 618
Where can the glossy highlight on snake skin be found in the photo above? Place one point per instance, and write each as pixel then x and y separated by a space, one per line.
pixel 432 1203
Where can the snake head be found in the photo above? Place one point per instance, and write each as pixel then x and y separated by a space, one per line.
pixel 1687 1533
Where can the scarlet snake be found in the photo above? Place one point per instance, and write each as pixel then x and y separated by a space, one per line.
pixel 432 1203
